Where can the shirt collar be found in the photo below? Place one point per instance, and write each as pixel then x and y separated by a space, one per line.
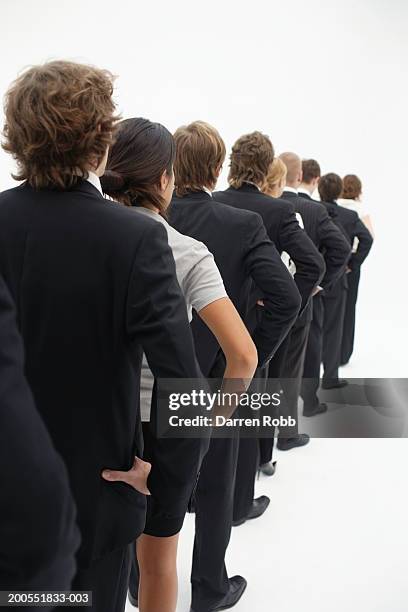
pixel 291 189
pixel 303 190
pixel 94 180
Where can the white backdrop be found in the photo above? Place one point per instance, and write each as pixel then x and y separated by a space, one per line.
pixel 325 78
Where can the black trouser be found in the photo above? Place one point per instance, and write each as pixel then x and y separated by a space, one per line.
pixel 291 375
pixel 247 466
pixel 274 373
pixel 313 355
pixel 334 307
pixel 108 579
pixel 347 343
pixel 213 507
pixel 248 460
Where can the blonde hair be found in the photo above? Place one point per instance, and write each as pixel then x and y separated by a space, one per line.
pixel 276 175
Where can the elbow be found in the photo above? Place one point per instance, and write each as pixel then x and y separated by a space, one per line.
pixel 245 360
pixel 320 269
pixel 294 302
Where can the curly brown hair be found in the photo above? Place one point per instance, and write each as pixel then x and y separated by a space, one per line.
pixel 352 187
pixel 251 158
pixel 200 153
pixel 59 121
pixel 330 187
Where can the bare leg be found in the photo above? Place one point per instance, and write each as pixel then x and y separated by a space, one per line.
pixel 158 586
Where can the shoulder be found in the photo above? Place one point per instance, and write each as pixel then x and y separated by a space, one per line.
pixel 239 216
pixel 14 194
pixel 187 243
pixel 347 213
pixel 284 206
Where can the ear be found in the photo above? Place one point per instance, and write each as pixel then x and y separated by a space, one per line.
pixel 164 181
pixel 218 171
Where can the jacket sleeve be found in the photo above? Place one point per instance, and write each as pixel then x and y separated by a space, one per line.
pixel 38 532
pixel 157 320
pixel 157 313
pixel 336 248
pixel 310 266
pixel 276 286
pixel 365 242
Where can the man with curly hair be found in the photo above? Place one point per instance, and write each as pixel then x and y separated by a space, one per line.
pixel 93 284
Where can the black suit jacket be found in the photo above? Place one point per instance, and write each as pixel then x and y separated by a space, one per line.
pixel 327 237
pixel 38 533
pixel 244 255
pixel 284 231
pixel 351 225
pixel 94 282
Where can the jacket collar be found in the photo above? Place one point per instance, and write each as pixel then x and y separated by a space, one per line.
pixel 289 194
pixel 245 188
pixel 194 196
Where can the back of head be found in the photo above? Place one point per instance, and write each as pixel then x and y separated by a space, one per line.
pixel 59 119
pixel 293 165
pixel 275 178
pixel 200 153
pixel 141 153
pixel 310 170
pixel 251 159
pixel 330 187
pixel 352 187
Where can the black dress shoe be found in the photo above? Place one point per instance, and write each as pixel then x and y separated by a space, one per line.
pixel 133 600
pixel 237 586
pixel 259 505
pixel 334 384
pixel 318 409
pixel 268 469
pixel 285 444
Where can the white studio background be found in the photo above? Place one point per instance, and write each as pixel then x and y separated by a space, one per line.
pixel 327 79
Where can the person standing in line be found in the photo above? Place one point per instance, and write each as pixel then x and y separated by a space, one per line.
pixel 139 174
pixel 251 160
pixel 94 285
pixel 36 500
pixel 330 188
pixel 335 249
pixel 351 199
pixel 244 255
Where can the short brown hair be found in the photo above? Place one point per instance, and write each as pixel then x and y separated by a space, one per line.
pixel 311 170
pixel 59 118
pixel 200 153
pixel 330 187
pixel 276 174
pixel 251 159
pixel 352 187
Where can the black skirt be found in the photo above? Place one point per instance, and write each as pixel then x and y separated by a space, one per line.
pixel 172 481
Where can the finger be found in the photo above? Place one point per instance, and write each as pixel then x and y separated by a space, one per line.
pixel 141 465
pixel 116 476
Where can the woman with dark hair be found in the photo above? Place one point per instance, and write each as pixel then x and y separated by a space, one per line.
pixel 351 199
pixel 330 188
pixel 140 174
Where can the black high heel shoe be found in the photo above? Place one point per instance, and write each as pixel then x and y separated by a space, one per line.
pixel 267 469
